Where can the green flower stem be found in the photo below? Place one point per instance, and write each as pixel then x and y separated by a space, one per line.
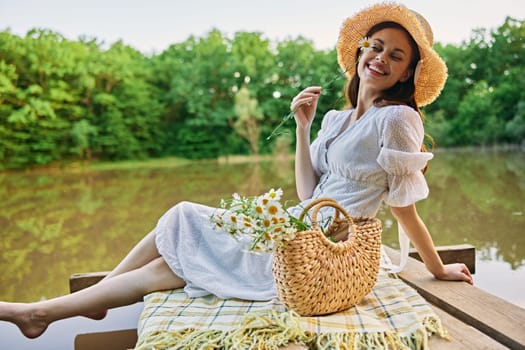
pixel 291 114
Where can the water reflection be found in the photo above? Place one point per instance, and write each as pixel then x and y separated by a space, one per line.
pixel 480 198
pixel 57 223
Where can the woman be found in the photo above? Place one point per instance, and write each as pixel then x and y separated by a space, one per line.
pixel 361 157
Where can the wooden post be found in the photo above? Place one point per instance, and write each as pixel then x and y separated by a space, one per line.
pixel 461 253
pixel 78 281
pixel 115 340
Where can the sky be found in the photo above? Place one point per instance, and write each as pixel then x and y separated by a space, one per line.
pixel 152 25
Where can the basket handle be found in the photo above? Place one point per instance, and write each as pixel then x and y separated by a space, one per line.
pixel 312 204
pixel 319 203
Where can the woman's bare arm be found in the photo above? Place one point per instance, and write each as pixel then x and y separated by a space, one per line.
pixel 422 240
pixel 304 106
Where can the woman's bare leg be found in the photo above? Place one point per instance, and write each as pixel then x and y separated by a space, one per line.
pixel 123 289
pixel 141 254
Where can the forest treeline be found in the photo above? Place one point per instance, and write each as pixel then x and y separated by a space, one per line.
pixel 63 100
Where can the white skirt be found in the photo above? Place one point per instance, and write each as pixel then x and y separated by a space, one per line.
pixel 210 261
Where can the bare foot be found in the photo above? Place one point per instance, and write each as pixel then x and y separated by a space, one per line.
pixel 31 322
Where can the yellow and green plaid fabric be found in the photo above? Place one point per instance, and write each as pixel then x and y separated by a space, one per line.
pixel 392 316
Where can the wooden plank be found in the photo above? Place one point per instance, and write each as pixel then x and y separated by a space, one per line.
pixel 80 281
pixel 461 253
pixel 115 340
pixel 463 336
pixel 497 318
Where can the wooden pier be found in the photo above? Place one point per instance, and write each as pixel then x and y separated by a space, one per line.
pixel 474 319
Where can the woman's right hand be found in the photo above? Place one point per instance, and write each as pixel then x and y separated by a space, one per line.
pixel 456 272
pixel 304 105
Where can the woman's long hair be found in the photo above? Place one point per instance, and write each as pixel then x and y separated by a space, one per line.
pixel 402 92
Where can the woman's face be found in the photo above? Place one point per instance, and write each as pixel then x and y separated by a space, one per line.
pixel 386 61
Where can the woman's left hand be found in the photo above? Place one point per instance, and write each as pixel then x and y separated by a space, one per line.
pixel 456 272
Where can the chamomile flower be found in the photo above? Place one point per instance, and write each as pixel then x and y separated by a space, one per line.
pixel 364 44
pixel 274 194
pixel 261 219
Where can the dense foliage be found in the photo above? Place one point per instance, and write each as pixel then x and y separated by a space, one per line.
pixel 483 102
pixel 63 100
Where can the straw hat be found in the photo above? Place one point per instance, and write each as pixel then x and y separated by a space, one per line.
pixel 431 71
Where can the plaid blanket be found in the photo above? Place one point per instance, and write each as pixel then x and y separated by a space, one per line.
pixel 392 316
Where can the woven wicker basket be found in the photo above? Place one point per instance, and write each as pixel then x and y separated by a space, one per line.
pixel 315 276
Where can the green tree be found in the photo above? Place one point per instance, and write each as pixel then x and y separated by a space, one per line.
pixel 81 133
pixel 124 106
pixel 248 121
pixel 53 88
pixel 485 72
pixel 44 69
pixel 196 78
pixel 515 128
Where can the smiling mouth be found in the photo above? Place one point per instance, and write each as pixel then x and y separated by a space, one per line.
pixel 376 69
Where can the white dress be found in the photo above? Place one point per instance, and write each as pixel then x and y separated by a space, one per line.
pixel 375 159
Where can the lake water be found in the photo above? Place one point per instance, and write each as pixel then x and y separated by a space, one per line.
pixel 58 222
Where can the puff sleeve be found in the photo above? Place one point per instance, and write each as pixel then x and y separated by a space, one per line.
pixel 400 156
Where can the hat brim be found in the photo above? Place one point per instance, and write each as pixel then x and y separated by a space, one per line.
pixel 433 70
